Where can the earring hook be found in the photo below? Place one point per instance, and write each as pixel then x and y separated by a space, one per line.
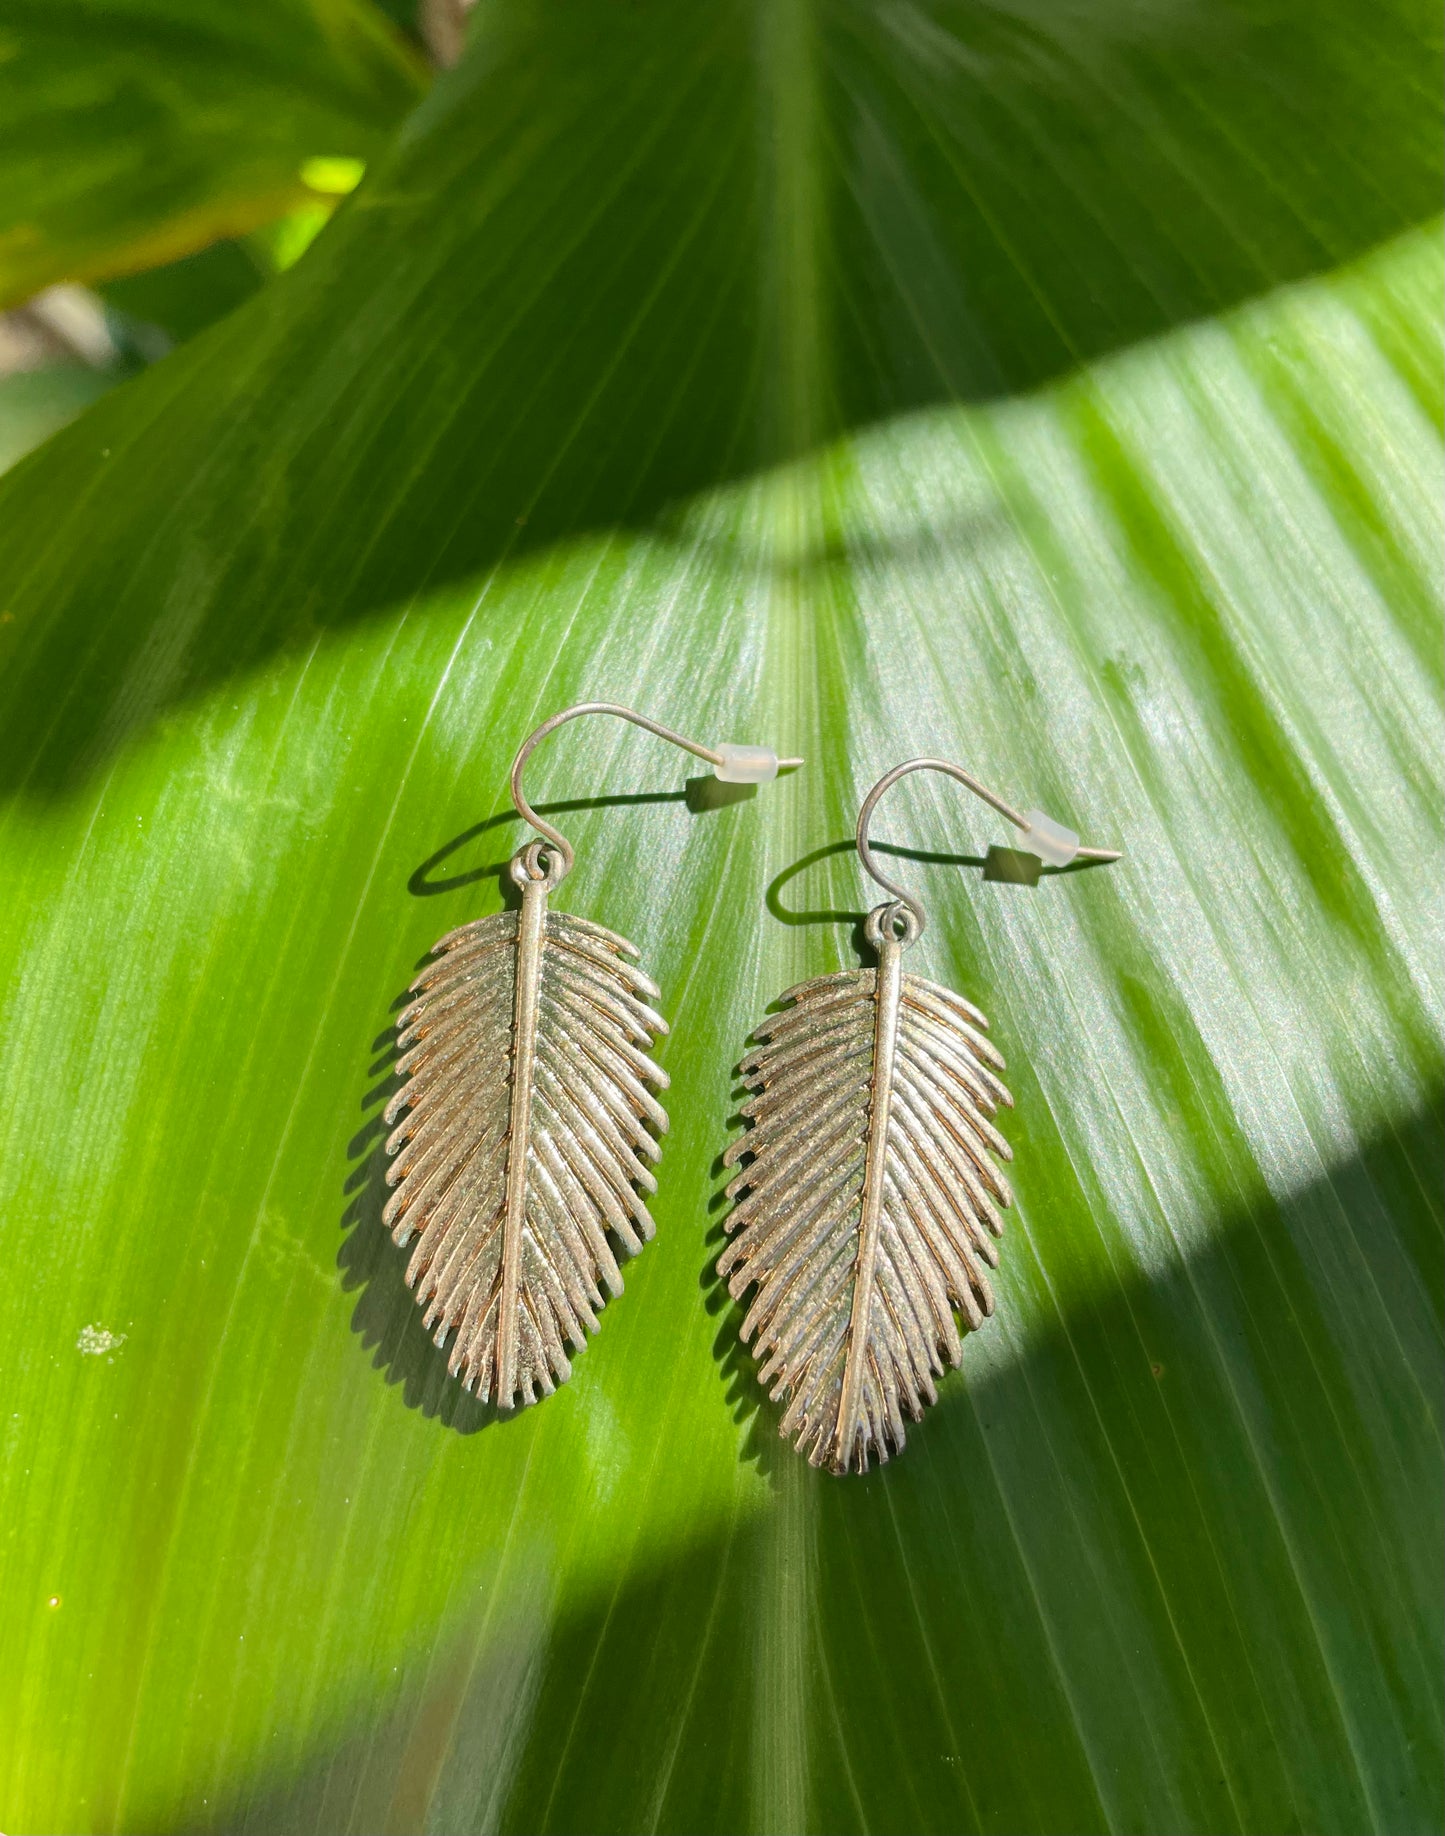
pixel 732 764
pixel 1050 840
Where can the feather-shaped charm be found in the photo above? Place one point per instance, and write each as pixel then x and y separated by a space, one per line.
pixel 527 1127
pixel 868 1204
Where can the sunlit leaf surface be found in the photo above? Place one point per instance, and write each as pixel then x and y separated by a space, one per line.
pixel 134 131
pixel 1055 389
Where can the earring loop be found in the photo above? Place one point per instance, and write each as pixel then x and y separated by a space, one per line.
pixel 733 764
pixel 1050 840
pixel 898 923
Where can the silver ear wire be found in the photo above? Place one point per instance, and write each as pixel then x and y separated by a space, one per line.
pixel 733 764
pixel 1055 845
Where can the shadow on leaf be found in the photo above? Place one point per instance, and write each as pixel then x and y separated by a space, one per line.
pixel 1077 1562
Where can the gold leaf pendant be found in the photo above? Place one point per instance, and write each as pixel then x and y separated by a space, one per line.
pixel 869 1202
pixel 868 1206
pixel 527 1120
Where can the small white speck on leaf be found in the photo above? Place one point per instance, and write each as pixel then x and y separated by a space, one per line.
pixel 95 1340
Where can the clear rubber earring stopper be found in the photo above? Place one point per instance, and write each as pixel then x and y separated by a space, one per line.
pixel 746 764
pixel 1055 845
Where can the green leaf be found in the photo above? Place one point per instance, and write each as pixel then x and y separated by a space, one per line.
pixel 34 403
pixel 144 316
pixel 133 132
pixel 1054 389
pixel 186 296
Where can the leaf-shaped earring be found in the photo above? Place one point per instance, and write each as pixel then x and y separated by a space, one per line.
pixel 869 1199
pixel 528 1113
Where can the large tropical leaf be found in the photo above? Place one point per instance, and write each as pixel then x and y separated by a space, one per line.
pixel 134 131
pixel 1055 389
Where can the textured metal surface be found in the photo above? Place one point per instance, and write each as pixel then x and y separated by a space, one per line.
pixel 527 1123
pixel 869 1202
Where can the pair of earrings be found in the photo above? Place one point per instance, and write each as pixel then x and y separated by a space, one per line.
pixel 868 1196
